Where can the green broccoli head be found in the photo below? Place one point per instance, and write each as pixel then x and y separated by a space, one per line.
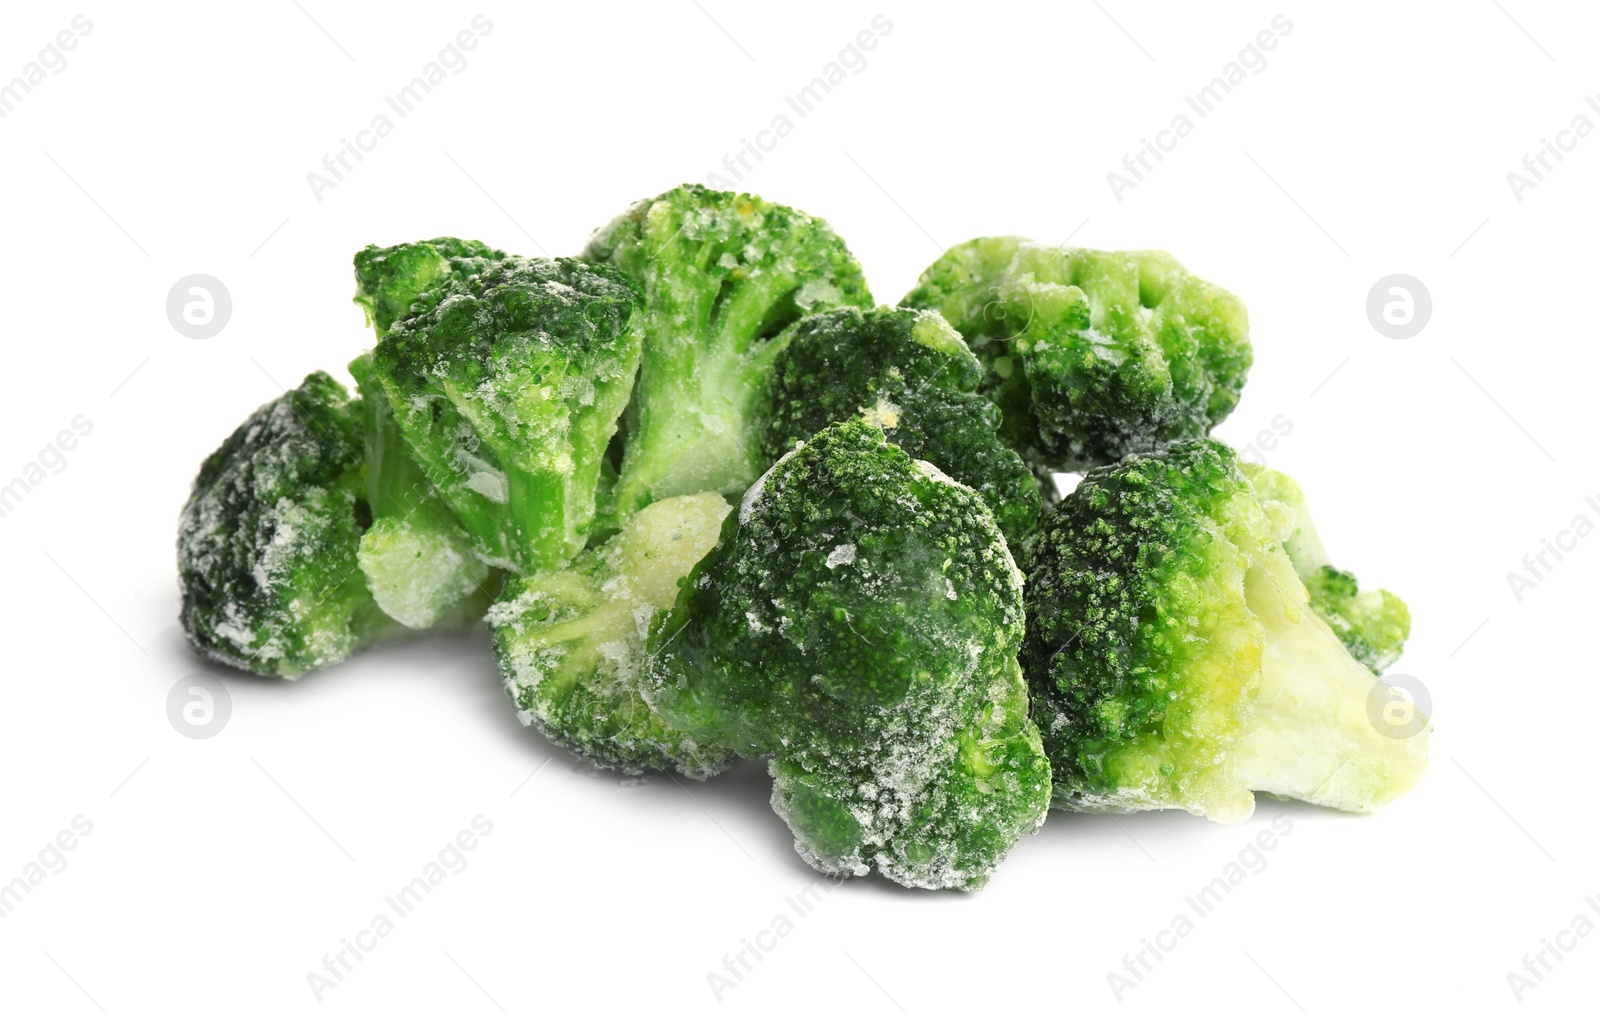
pixel 1117 351
pixel 858 622
pixel 390 279
pixel 418 560
pixel 507 389
pixel 1373 624
pixel 910 373
pixel 267 541
pixel 1174 661
pixel 722 274
pixel 571 642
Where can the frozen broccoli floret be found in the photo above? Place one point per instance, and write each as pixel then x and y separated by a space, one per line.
pixel 267 540
pixel 390 279
pixel 722 274
pixel 571 642
pixel 1173 657
pixel 910 373
pixel 1093 354
pixel 1373 624
pixel 418 560
pixel 858 622
pixel 507 389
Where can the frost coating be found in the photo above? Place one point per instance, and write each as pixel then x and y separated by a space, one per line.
pixel 390 280
pixel 507 389
pixel 571 642
pixel 267 541
pixel 894 712
pixel 908 372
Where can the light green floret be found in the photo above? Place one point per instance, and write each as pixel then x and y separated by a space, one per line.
pixel 858 623
pixel 571 642
pixel 418 560
pixel 722 275
pixel 267 541
pixel 1373 624
pixel 507 389
pixel 1173 657
pixel 389 280
pixel 1093 354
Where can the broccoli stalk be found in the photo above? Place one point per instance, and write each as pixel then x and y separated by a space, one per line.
pixel 571 642
pixel 722 275
pixel 910 373
pixel 418 560
pixel 507 388
pixel 1313 738
pixel 1373 624
pixel 1117 351
pixel 858 622
pixel 267 541
pixel 1173 656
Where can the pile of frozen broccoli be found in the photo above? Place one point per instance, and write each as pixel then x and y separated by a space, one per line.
pixel 714 503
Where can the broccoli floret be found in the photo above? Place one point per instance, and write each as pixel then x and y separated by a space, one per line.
pixel 858 622
pixel 1374 624
pixel 571 642
pixel 418 560
pixel 390 279
pixel 722 274
pixel 910 373
pixel 1173 658
pixel 267 540
pixel 1095 354
pixel 507 388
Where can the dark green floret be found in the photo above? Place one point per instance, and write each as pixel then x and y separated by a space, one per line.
pixel 722 275
pixel 267 541
pixel 1093 354
pixel 1174 660
pixel 507 389
pixel 858 622
pixel 390 279
pixel 910 373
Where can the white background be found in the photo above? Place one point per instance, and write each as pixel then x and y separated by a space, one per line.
pixel 219 872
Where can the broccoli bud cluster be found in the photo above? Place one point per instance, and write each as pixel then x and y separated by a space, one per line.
pixel 711 503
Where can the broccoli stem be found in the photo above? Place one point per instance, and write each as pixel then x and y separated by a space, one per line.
pixel 416 558
pixel 1314 739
